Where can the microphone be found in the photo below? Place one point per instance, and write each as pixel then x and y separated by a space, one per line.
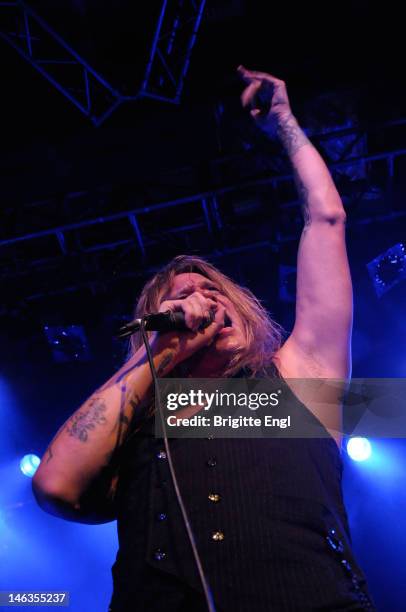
pixel 161 322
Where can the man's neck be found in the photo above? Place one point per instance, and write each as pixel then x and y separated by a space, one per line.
pixel 204 365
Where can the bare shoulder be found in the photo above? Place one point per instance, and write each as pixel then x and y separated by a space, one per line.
pixel 293 361
pixel 295 366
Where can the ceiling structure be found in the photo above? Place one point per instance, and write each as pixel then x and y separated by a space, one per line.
pixel 89 209
pixel 172 40
pixel 86 207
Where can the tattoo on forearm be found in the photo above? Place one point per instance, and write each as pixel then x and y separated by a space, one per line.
pixel 136 417
pixel 123 422
pixel 304 198
pixel 291 135
pixel 87 419
pixel 125 373
pixel 49 449
pixel 164 363
pixel 134 400
pixel 111 469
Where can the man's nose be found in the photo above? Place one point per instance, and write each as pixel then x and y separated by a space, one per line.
pixel 208 294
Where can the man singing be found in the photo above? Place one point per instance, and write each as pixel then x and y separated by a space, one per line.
pixel 267 515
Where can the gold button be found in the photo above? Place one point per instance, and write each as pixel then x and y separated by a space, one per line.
pixel 217 536
pixel 214 497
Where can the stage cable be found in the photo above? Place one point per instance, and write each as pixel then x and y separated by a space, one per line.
pixel 203 579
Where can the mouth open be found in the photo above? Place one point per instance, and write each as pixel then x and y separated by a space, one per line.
pixel 227 321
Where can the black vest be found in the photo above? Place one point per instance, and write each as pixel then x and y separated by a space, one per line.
pixel 267 514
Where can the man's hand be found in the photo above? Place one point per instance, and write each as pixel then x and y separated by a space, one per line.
pixel 199 311
pixel 197 308
pixel 266 98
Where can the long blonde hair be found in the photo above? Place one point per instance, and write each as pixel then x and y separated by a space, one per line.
pixel 263 335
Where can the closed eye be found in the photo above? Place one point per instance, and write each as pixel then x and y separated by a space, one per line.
pixel 213 289
pixel 183 296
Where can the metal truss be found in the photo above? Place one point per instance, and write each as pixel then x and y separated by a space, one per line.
pixel 207 201
pixel 69 73
pixel 216 223
pixel 175 36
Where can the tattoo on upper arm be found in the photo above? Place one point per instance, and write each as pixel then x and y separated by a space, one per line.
pixel 87 419
pixel 291 135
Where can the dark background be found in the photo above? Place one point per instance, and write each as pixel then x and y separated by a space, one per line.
pixel 342 62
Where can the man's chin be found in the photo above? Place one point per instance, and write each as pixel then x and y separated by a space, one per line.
pixel 225 345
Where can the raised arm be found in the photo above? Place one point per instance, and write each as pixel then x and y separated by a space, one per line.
pixel 323 325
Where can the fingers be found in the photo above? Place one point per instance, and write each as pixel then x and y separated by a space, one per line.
pixel 195 312
pixel 212 330
pixel 249 93
pixel 258 95
pixel 245 74
pixel 198 311
pixel 172 305
pixel 219 316
pixel 253 75
pixel 196 308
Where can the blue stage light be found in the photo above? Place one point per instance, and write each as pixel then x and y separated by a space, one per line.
pixel 359 449
pixel 388 269
pixel 29 464
pixel 68 343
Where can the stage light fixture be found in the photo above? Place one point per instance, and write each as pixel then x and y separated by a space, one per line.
pixel 29 464
pixel 68 343
pixel 359 449
pixel 388 269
